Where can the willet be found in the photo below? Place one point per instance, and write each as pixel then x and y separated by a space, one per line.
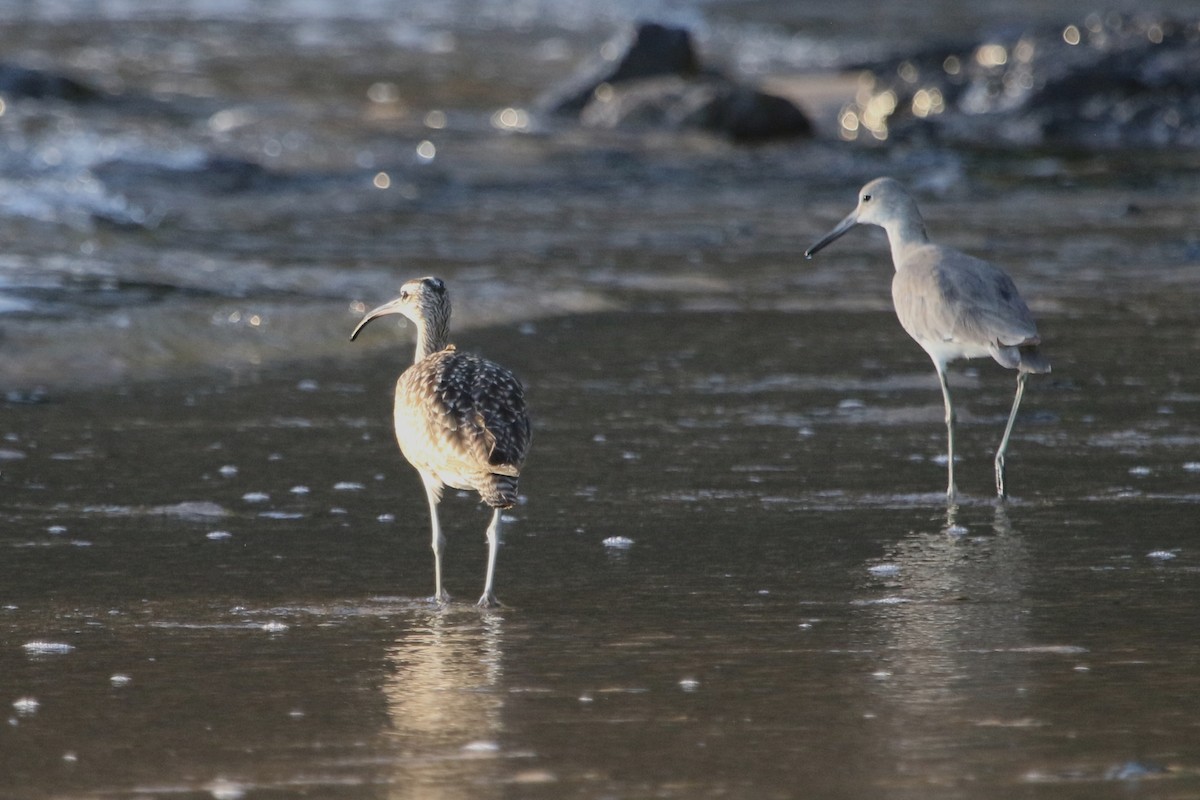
pixel 953 305
pixel 460 419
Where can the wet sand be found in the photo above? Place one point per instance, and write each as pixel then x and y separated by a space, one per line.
pixel 795 604
pixel 733 572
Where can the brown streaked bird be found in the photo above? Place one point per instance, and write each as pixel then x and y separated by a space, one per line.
pixel 953 305
pixel 460 419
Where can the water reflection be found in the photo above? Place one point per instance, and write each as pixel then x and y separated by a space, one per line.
pixel 445 707
pixel 954 646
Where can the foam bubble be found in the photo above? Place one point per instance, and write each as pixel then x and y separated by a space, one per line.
pixel 26 706
pixel 47 648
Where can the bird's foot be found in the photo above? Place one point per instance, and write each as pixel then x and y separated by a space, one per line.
pixel 440 598
pixel 489 601
pixel 1001 489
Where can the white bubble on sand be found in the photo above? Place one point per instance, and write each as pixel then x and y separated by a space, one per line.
pixel 1162 555
pixel 274 627
pixel 120 679
pixel 26 706
pixel 229 470
pixel 191 509
pixel 299 490
pixel 689 684
pixel 47 648
pixel 217 536
pixel 881 601
pixel 618 542
pixel 348 486
pixel 884 570
pixel 256 497
pixel 222 789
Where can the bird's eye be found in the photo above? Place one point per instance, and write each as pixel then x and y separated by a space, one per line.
pixel 404 294
pixel 866 198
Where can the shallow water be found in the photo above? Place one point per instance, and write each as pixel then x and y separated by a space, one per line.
pixel 733 573
pixel 796 606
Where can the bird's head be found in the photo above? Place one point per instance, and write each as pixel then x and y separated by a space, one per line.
pixel 880 202
pixel 424 301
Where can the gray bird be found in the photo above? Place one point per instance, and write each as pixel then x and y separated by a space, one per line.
pixel 953 305
pixel 460 419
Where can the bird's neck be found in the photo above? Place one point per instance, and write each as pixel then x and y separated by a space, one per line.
pixel 432 337
pixel 905 233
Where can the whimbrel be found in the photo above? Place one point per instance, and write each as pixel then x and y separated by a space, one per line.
pixel 953 305
pixel 460 419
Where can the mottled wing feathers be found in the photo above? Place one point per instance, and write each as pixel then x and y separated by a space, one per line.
pixel 462 418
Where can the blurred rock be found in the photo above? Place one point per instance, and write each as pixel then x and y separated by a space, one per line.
pixel 648 51
pixel 1108 82
pixel 18 82
pixel 706 103
pixel 213 174
pixel 653 78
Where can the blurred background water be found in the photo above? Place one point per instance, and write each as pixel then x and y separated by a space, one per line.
pixel 215 558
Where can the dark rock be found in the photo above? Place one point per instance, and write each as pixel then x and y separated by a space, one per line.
pixel 18 82
pixel 747 114
pixel 215 174
pixel 659 82
pixel 648 51
pixel 707 103
pixel 1107 83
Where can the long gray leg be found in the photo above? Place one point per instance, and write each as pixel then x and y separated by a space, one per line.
pixel 433 492
pixel 488 600
pixel 1001 490
pixel 951 489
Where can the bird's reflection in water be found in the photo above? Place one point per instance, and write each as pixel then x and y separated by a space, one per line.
pixel 445 705
pixel 952 643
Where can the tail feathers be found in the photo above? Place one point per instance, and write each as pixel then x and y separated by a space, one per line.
pixel 1025 357
pixel 1032 359
pixel 499 491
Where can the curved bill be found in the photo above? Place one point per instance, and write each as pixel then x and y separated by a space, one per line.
pixel 382 311
pixel 849 222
